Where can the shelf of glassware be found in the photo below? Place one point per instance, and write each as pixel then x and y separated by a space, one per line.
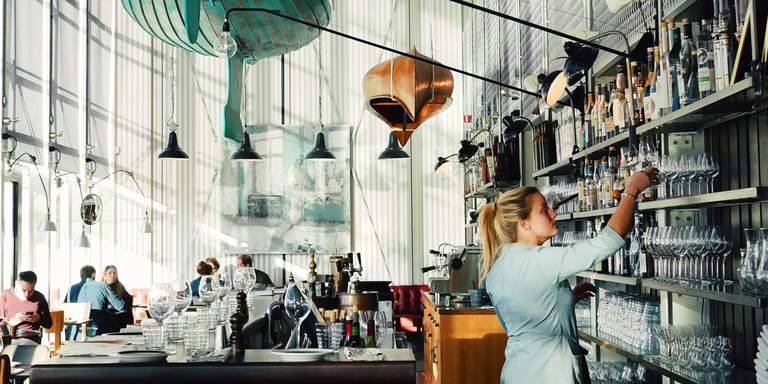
pixel 736 196
pixel 677 9
pixel 597 276
pixel 714 109
pixel 731 294
pixel 660 365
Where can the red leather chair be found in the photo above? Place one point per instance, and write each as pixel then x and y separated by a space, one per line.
pixel 407 308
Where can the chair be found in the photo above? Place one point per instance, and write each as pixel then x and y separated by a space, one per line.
pixel 5 369
pixel 56 328
pixel 77 315
pixel 407 309
pixel 140 302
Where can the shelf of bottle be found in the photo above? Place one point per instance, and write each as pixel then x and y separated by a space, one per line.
pixel 597 276
pixel 490 189
pixel 560 168
pixel 661 365
pixel 714 109
pixel 733 197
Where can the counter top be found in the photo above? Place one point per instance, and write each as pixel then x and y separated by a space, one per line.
pixel 459 310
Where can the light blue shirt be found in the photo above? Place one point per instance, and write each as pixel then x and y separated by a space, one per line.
pixel 99 294
pixel 534 302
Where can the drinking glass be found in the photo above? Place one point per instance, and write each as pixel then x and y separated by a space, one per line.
pixel 224 286
pixel 208 290
pixel 153 334
pixel 297 308
pixel 244 279
pixel 197 340
pixel 161 304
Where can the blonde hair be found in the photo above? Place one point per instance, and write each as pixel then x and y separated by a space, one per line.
pixel 498 222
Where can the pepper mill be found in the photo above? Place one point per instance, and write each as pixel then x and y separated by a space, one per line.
pixel 236 339
pixel 242 305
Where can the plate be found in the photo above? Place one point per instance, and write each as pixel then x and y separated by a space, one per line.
pixel 140 356
pixel 302 354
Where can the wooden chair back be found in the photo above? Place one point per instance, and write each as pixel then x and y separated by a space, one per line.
pixel 57 328
pixel 5 369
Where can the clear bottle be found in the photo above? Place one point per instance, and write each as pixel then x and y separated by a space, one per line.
pixel 705 61
pixel 663 86
pixel 598 115
pixel 370 330
pixel 490 163
pixel 687 77
pixel 674 65
pixel 606 184
pixel 635 249
pixel 587 127
pixel 581 200
pixel 618 109
pixel 593 188
pixel 638 85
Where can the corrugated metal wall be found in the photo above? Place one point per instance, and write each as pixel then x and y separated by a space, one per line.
pixel 400 209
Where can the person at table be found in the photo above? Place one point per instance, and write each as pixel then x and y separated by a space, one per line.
pixel 203 268
pixel 214 263
pixel 109 277
pixel 101 297
pixel 528 283
pixel 24 309
pixel 262 279
pixel 74 291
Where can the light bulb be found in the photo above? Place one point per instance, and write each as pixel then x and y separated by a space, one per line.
pixel 225 45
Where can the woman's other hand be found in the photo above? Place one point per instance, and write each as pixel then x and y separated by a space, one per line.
pixel 583 291
pixel 640 181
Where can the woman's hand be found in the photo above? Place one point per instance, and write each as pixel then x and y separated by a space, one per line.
pixel 640 181
pixel 583 291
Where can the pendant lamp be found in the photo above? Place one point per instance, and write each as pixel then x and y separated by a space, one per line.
pixel 320 150
pixel 393 150
pixel 173 151
pixel 246 151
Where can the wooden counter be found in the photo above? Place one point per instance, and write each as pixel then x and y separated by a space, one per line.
pixel 462 345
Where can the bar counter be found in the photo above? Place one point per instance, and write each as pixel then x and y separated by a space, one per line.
pixel 399 367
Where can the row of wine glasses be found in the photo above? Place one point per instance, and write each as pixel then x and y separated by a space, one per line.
pixel 629 320
pixel 559 192
pixel 564 238
pixel 686 175
pixel 695 347
pixel 689 255
pixel 753 273
pixel 616 372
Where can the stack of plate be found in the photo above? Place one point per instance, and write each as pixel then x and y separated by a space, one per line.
pixel 761 361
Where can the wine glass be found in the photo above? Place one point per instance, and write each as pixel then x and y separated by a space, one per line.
pixel 244 279
pixel 182 299
pixel 161 304
pixel 380 323
pixel 297 308
pixel 208 290
pixel 224 285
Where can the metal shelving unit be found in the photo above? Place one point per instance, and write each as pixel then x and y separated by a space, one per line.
pixel 732 197
pixel 489 190
pixel 633 281
pixel 731 294
pixel 723 105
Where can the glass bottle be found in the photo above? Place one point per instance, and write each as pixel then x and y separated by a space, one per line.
pixel 355 342
pixel 617 108
pixel 606 184
pixel 638 84
pixel 663 85
pixel 687 77
pixel 484 174
pixel 370 330
pixel 705 61
pixel 592 201
pixel 490 163
pixel 580 185
pixel 674 64
pixel 586 133
pixel 598 113
pixel 635 249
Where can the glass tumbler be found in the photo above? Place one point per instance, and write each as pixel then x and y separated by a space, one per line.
pixel 197 341
pixel 153 334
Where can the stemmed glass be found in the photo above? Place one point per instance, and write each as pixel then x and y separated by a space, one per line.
pixel 161 304
pixel 209 292
pixel 182 299
pixel 380 322
pixel 224 285
pixel 297 308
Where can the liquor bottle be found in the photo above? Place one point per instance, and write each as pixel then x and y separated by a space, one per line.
pixel 650 101
pixel 722 45
pixel 613 166
pixel 617 106
pixel 638 84
pixel 608 112
pixel 607 263
pixel 347 330
pixel 635 249
pixel 591 187
pixel 598 114
pixel 606 184
pixel 587 127
pixel 590 234
pixel 663 86
pixel 687 78
pixel 485 176
pixel 490 162
pixel 706 61
pixel 498 161
pixel 674 64
pixel 370 330
pixel 580 185
pixel 355 342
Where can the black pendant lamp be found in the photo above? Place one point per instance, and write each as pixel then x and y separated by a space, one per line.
pixel 393 150
pixel 320 151
pixel 546 82
pixel 245 152
pixel 173 151
pixel 467 151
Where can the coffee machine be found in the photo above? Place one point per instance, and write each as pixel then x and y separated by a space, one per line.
pixel 465 264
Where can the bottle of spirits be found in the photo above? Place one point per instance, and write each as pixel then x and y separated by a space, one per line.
pixel 635 249
pixel 617 186
pixel 370 330
pixel 348 339
pixel 355 341
pixel 663 86
pixel 687 78
pixel 638 84
pixel 706 61
pixel 586 133
pixel 608 115
pixel 618 107
pixel 598 116
pixel 606 184
pixel 722 46
pixel 490 163
pixel 580 184
pixel 674 64
pixel 485 176
pixel 592 185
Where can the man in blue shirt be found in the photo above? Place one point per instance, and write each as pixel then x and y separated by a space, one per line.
pixel 74 291
pixel 100 296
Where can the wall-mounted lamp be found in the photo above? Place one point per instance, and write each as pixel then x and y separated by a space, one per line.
pixel 47 225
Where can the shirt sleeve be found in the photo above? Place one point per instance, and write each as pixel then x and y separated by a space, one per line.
pixel 560 263
pixel 45 314
pixel 115 300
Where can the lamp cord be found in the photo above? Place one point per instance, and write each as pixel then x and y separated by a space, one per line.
pixel 173 87
pixel 40 176
pixel 130 174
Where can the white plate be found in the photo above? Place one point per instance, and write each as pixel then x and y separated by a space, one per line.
pixel 140 356
pixel 303 354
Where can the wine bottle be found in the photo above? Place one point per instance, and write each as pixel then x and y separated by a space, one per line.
pixel 370 326
pixel 355 341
